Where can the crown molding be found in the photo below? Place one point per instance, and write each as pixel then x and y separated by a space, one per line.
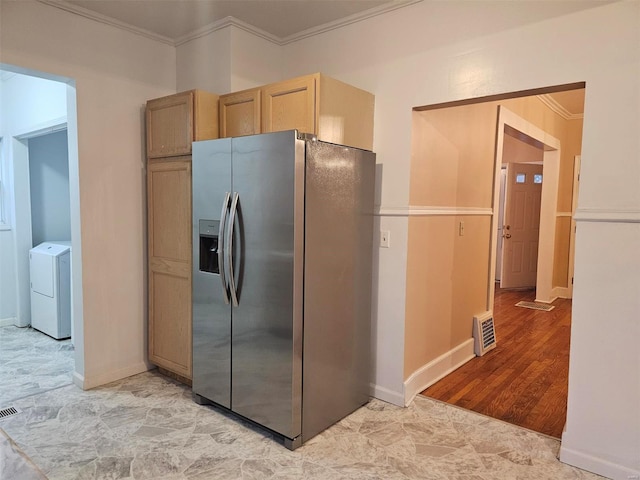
pixel 83 12
pixel 223 23
pixel 229 21
pixel 357 17
pixel 549 101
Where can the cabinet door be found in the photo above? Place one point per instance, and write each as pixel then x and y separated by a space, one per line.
pixel 240 113
pixel 290 104
pixel 170 125
pixel 169 219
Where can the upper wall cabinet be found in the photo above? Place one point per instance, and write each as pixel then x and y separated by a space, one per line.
pixel 334 111
pixel 290 104
pixel 240 113
pixel 173 122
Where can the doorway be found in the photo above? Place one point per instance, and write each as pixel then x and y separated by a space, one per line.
pixel 441 138
pixel 40 202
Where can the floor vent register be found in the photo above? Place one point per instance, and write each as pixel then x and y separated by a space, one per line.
pixel 8 412
pixel 536 306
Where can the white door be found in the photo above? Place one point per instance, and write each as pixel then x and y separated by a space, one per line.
pixel 521 228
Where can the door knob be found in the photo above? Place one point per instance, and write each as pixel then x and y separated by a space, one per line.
pixel 507 235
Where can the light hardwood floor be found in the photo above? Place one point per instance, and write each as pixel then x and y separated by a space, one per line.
pixel 524 379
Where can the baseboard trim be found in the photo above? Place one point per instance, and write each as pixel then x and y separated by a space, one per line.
pixel 386 395
pixel 594 464
pixel 437 369
pixel 97 380
pixel 78 380
pixel 7 322
pixel 561 292
pixel 548 301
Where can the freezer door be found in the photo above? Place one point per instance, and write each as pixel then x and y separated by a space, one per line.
pixel 339 202
pixel 211 174
pixel 268 176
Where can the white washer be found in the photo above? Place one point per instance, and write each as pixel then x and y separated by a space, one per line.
pixel 50 270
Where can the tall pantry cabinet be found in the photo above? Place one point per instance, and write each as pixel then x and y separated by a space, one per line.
pixel 173 122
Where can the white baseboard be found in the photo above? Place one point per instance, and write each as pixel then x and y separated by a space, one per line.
pixel 597 465
pixel 548 301
pixel 102 379
pixel 6 322
pixel 561 292
pixel 436 369
pixel 556 292
pixel 78 380
pixel 386 395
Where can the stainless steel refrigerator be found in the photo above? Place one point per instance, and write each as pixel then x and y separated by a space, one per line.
pixel 282 258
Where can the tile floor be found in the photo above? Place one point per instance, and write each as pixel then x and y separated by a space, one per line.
pixel 32 362
pixel 148 427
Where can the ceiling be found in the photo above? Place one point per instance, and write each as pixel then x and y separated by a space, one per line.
pixel 569 104
pixel 571 100
pixel 176 19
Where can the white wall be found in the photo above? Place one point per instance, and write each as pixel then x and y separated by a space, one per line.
pixel 205 62
pixel 435 52
pixel 254 60
pixel 8 292
pixel 49 188
pixel 226 60
pixel 115 72
pixel 29 104
pixel 603 413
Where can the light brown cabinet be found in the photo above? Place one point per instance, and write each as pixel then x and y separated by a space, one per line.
pixel 290 104
pixel 334 111
pixel 169 217
pixel 173 122
pixel 240 113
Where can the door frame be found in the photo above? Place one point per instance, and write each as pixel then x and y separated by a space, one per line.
pixel 572 236
pixel 548 204
pixel 22 221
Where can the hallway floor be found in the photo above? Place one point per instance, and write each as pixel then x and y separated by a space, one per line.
pixel 524 380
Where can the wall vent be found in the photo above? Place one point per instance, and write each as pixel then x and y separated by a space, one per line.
pixel 8 412
pixel 484 333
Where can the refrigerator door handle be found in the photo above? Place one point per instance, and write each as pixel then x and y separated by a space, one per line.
pixel 223 218
pixel 232 220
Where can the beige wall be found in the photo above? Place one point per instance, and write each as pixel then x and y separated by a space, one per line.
pixel 452 156
pixel 452 166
